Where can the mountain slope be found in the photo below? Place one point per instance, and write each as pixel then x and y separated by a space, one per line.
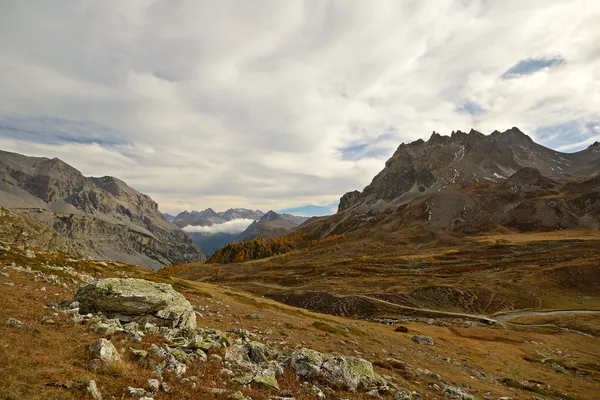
pixel 462 160
pixel 271 225
pixel 102 217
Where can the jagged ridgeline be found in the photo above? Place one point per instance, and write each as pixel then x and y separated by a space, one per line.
pixel 102 218
pixel 440 190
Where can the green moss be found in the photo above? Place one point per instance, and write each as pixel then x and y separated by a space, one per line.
pixel 322 326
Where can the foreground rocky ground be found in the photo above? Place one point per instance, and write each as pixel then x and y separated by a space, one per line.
pixel 67 332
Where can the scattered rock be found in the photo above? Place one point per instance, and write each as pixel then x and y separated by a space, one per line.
pixel 421 339
pixel 154 385
pixel 348 373
pixel 93 390
pixel 455 393
pixel 15 323
pixel 236 396
pixel 105 351
pixel 28 253
pixel 136 392
pixel 137 300
pixel 318 392
pixel 401 329
pixel 403 394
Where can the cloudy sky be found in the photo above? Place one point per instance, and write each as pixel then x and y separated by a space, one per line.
pixel 279 104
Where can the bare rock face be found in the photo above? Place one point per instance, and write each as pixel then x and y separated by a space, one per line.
pixel 137 300
pixel 103 218
pixel 463 160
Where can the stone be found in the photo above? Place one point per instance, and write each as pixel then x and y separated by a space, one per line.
pixel 286 394
pixel 154 385
pixel 307 362
pixel 136 392
pixel 266 378
pixel 28 253
pixel 236 396
pixel 14 323
pixel 421 339
pixel 318 392
pixel 455 393
pixel 256 352
pixel 107 327
pixel 137 300
pixel 139 354
pixel 348 373
pixel 403 394
pixel 105 351
pixel 93 390
pixel 236 354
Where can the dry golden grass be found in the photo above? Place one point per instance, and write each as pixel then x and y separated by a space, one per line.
pixel 51 361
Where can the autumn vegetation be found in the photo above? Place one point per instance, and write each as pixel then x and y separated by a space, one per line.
pixel 263 248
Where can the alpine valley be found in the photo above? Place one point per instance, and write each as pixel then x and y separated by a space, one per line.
pixel 469 268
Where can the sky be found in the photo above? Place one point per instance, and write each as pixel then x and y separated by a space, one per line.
pixel 284 104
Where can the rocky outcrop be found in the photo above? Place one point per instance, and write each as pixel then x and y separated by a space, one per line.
pixel 137 300
pixel 341 372
pixel 466 159
pixel 99 217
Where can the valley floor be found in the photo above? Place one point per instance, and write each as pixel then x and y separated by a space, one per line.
pixel 543 357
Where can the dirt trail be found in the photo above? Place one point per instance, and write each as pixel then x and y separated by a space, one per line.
pixel 425 311
pixel 510 316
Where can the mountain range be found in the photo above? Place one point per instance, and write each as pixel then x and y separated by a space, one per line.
pixel 271 225
pixel 470 182
pixel 209 217
pixel 220 229
pixel 102 218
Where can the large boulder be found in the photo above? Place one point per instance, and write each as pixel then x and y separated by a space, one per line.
pixel 348 373
pixel 137 300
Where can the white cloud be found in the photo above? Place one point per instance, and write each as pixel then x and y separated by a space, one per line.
pixel 233 104
pixel 233 226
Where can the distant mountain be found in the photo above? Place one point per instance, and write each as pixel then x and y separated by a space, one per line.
pixel 241 213
pixel 102 217
pixel 225 226
pixel 271 225
pixel 470 183
pixel 209 217
pixel 446 163
pixel 169 217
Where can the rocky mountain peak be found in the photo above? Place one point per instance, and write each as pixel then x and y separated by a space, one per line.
pixel 101 217
pixel 461 160
pixel 270 216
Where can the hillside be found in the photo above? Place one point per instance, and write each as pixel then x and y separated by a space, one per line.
pixel 102 218
pixel 271 225
pixel 252 347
